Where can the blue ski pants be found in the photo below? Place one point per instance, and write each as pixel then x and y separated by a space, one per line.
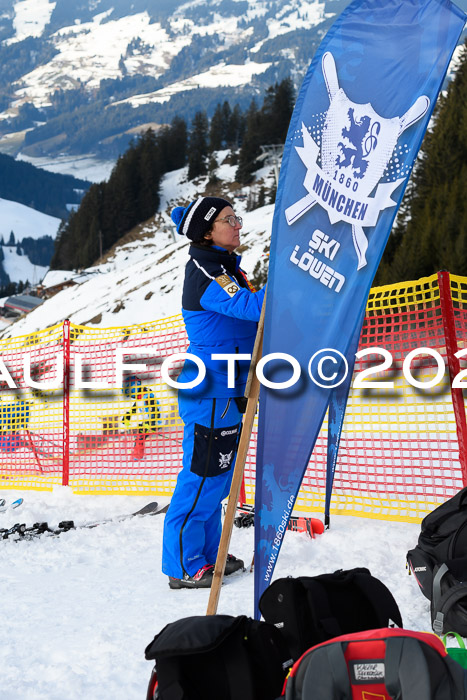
pixel 192 526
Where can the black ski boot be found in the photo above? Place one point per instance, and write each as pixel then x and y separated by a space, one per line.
pixel 202 579
pixel 232 565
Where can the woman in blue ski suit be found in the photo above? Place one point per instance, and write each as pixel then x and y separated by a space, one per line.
pixel 221 311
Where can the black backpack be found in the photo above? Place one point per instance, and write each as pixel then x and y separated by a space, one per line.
pixel 439 564
pixel 312 609
pixel 218 656
pixel 384 664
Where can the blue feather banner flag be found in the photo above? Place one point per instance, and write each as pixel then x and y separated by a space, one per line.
pixel 356 129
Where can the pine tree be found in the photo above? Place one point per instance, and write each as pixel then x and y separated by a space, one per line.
pixel 266 126
pixel 250 148
pixel 226 121
pixel 212 167
pixel 149 173
pixel 62 258
pixel 131 195
pixel 216 130
pixel 276 112
pixel 198 146
pixel 235 128
pixel 262 196
pixel 172 143
pixel 123 187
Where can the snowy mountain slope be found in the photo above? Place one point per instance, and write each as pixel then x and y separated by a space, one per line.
pixel 222 75
pixel 30 18
pixel 182 47
pixel 126 63
pixel 25 222
pixel 142 280
pixel 81 167
pixel 91 52
pixel 20 268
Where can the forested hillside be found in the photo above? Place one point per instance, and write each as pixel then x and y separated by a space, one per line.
pixel 47 192
pixel 430 233
pixel 80 76
pixel 131 195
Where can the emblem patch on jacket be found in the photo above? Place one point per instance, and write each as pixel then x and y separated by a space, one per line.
pixel 224 460
pixel 227 285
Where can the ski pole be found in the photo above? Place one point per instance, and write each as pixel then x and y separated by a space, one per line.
pixel 252 393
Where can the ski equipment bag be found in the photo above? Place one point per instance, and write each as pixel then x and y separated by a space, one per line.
pixel 218 656
pixel 311 609
pixel 383 664
pixel 439 564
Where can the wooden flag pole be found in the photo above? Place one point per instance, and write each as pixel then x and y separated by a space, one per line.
pixel 252 393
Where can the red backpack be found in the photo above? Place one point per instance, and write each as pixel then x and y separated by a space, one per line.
pixel 382 664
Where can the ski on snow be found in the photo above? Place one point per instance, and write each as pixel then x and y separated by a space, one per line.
pixel 21 531
pixel 312 526
pixel 4 506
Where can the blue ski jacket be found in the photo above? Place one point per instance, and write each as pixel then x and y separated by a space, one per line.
pixel 221 312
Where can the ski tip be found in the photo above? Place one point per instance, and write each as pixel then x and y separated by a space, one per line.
pixel 153 509
pixel 149 508
pixel 9 506
pixel 317 526
pixel 164 509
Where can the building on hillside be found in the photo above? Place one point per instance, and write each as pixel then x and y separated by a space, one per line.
pixel 20 304
pixel 56 280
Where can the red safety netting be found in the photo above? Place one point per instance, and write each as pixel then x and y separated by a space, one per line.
pixel 399 451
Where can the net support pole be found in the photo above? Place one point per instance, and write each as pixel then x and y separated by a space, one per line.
pixel 252 393
pixel 447 309
pixel 66 403
pixel 242 497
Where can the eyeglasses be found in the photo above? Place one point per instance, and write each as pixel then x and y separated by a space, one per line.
pixel 232 219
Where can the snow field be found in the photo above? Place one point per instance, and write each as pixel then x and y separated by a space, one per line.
pixel 78 610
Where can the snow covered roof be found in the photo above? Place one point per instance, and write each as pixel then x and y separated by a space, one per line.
pixel 54 278
pixel 23 303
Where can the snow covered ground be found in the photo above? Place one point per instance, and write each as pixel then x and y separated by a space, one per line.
pixel 82 167
pixel 78 610
pixel 222 75
pixel 31 16
pixel 25 222
pixel 19 267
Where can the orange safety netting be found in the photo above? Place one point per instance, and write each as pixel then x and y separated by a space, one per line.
pixel 399 452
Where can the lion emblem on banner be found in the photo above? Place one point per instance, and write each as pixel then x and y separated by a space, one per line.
pixel 356 147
